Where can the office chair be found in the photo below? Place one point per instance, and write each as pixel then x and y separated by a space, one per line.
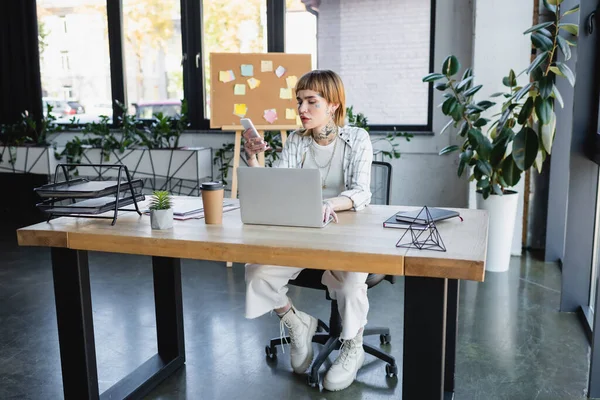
pixel 311 278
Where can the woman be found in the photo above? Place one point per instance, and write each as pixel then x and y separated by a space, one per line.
pixel 343 155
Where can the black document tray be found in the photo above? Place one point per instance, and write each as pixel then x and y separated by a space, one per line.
pixel 83 188
pixel 90 206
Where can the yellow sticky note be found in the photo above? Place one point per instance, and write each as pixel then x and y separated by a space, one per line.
pixel 239 89
pixel 240 110
pixel 291 81
pixel 226 76
pixel 298 120
pixel 285 93
pixel 290 113
pixel 253 83
pixel 266 66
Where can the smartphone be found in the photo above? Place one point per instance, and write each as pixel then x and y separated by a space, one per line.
pixel 247 124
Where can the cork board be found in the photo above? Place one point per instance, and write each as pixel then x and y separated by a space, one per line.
pixel 231 69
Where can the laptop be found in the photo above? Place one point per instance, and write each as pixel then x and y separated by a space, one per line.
pixel 281 196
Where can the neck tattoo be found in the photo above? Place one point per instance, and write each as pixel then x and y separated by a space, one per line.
pixel 328 132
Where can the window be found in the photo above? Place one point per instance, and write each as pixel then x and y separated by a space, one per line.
pixel 152 47
pixel 231 26
pixel 300 30
pixel 381 53
pixel 70 70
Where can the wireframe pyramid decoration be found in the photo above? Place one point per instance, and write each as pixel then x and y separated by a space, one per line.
pixel 414 237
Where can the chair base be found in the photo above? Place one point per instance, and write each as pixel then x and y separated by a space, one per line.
pixel 331 343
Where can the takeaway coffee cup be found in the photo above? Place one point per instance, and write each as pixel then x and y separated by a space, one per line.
pixel 212 199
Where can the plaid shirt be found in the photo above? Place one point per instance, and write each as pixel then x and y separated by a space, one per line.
pixel 358 156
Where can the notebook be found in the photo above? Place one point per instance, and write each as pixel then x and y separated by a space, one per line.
pixel 393 223
pixel 437 214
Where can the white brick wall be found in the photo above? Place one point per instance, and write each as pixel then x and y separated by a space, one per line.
pixel 380 48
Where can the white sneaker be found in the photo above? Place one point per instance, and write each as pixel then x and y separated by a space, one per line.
pixel 301 328
pixel 345 367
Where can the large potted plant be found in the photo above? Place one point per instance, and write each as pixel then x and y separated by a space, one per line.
pixel 497 150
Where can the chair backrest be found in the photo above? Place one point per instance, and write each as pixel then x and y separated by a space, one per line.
pixel 381 182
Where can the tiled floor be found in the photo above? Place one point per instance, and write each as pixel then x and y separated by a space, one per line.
pixel 513 342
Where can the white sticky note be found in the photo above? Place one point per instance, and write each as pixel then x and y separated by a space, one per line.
pixel 253 83
pixel 285 93
pixel 280 71
pixel 266 66
pixel 290 113
pixel 291 81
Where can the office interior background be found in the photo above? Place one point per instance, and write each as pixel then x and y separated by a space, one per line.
pixel 528 333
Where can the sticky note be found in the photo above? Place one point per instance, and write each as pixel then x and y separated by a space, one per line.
pixel 240 110
pixel 270 115
pixel 226 76
pixel 253 83
pixel 239 89
pixel 266 66
pixel 291 81
pixel 290 113
pixel 298 120
pixel 280 71
pixel 285 93
pixel 247 70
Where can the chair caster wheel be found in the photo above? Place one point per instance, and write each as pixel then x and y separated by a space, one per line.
pixel 271 352
pixel 385 339
pixel 313 382
pixel 391 370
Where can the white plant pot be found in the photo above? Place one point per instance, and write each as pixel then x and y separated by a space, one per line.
pixel 502 212
pixel 161 219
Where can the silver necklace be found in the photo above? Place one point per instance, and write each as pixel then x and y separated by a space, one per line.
pixel 327 165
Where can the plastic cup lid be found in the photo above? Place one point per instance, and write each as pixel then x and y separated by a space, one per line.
pixel 211 186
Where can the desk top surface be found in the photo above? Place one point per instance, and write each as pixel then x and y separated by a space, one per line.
pixel 357 243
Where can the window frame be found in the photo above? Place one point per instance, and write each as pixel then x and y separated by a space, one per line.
pixel 193 66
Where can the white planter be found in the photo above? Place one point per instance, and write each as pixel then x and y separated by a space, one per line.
pixel 161 219
pixel 28 160
pixel 502 211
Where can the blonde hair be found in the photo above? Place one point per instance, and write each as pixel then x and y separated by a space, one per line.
pixel 329 86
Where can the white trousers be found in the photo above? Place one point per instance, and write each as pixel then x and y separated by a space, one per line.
pixel 266 288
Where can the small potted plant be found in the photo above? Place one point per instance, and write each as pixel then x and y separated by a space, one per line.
pixel 161 211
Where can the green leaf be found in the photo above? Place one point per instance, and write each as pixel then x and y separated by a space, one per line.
pixel 473 90
pixel 543 109
pixel 481 122
pixel 457 114
pixel 573 29
pixel 549 6
pixel 557 71
pixel 525 111
pixel 448 149
pixel 525 148
pixel 566 72
pixel 475 137
pixel 497 94
pixel 450 66
pixel 498 152
pixel 464 127
pixel 547 132
pixel 523 91
pixel 461 168
pixel 545 86
pixel 557 96
pixel 449 105
pixel 510 172
pixel 485 104
pixel 441 86
pixel 466 155
pixel 564 47
pixel 555 2
pixel 541 41
pixel 539 160
pixel 538 61
pixel 464 83
pixel 538 27
pixel 433 77
pixel 484 167
pixel 446 126
pixel 546 32
pixel 572 10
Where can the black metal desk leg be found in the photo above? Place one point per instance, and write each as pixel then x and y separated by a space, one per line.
pixel 75 326
pixel 424 338
pixel 169 308
pixel 451 335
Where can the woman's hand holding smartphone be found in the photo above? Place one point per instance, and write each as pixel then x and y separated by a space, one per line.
pixel 253 143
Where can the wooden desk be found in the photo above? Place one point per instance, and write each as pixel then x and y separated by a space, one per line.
pixel 358 243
